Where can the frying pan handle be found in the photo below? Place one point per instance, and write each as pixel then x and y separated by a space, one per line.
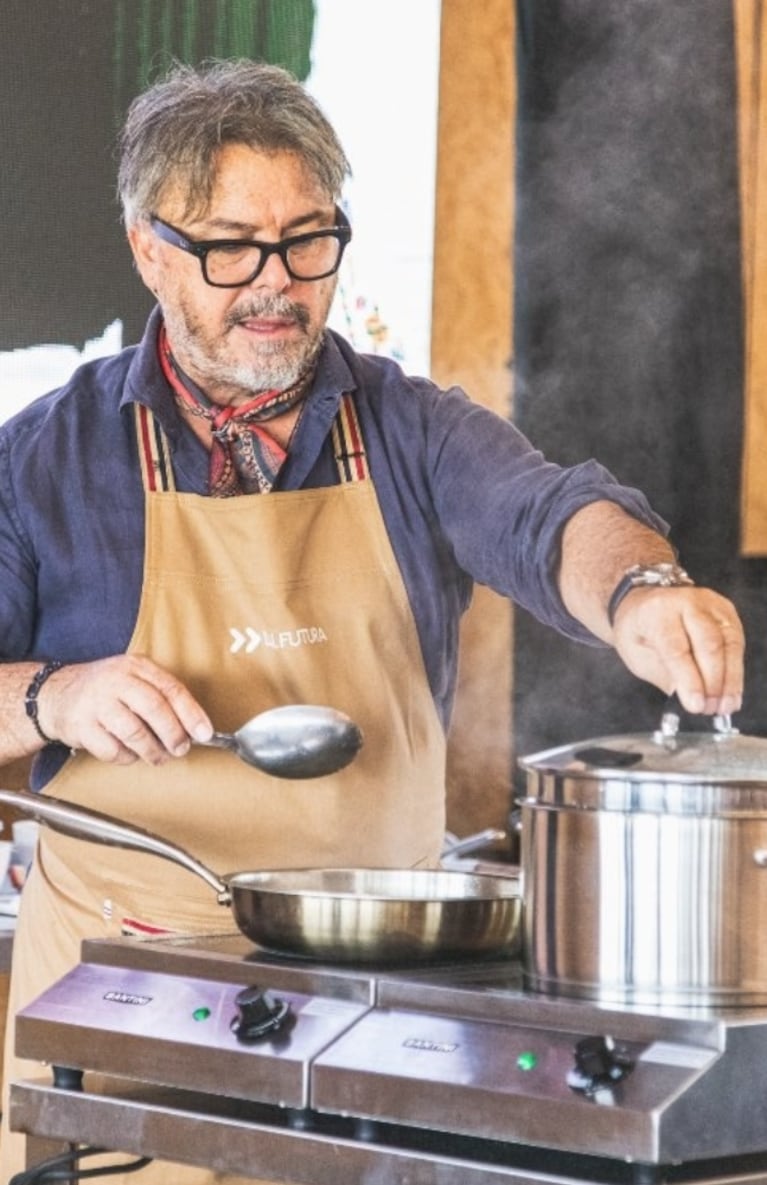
pixel 75 821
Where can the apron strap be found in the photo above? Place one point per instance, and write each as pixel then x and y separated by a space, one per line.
pixel 157 471
pixel 348 445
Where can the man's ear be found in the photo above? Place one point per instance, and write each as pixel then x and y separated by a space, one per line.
pixel 145 248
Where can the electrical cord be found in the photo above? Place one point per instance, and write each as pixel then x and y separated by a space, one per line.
pixel 64 1168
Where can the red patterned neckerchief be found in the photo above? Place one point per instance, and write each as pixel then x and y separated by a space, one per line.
pixel 244 458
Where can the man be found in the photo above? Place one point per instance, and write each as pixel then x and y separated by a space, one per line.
pixel 244 470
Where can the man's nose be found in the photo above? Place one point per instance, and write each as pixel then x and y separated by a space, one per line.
pixel 273 275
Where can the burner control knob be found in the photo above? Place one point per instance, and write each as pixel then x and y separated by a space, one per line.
pixel 599 1064
pixel 258 1014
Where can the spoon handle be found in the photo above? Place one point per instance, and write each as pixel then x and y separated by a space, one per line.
pixel 221 740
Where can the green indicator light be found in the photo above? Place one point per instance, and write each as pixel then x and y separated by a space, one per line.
pixel 201 1013
pixel 527 1060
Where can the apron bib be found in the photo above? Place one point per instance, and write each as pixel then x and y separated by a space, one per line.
pixel 255 601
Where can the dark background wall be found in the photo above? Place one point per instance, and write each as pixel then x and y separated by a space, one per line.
pixel 68 69
pixel 628 325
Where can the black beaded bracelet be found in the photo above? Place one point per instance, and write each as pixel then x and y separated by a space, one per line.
pixel 30 699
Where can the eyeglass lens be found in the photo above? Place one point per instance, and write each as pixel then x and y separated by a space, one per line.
pixel 308 260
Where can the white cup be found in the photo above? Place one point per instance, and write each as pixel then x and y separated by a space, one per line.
pixel 25 834
pixel 5 857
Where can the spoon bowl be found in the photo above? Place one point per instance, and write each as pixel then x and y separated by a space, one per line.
pixel 294 741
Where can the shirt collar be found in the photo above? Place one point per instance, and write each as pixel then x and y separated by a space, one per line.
pixel 145 383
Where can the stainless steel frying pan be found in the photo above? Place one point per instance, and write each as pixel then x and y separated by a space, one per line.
pixel 333 915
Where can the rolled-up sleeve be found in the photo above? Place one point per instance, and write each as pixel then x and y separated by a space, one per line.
pixel 504 506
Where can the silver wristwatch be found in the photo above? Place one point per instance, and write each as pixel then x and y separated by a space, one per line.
pixel 665 575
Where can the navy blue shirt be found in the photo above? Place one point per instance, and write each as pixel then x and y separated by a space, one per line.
pixel 465 498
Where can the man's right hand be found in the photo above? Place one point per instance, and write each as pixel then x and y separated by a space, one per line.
pixel 121 709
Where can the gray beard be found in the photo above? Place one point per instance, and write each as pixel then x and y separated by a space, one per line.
pixel 277 367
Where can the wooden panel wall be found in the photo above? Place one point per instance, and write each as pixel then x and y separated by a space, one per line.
pixel 471 346
pixel 751 48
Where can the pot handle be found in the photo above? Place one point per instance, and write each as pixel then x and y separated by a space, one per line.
pixel 671 719
pixel 75 821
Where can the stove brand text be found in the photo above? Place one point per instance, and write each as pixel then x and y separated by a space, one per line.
pixel 116 997
pixel 430 1046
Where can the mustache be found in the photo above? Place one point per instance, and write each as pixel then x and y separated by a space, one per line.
pixel 269 306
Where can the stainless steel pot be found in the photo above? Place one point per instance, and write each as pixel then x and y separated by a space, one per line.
pixel 336 915
pixel 644 869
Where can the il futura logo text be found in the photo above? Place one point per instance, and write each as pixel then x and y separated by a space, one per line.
pixel 248 639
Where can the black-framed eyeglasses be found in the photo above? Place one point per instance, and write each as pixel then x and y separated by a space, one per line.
pixel 232 263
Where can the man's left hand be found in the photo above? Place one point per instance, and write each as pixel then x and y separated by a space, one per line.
pixel 686 640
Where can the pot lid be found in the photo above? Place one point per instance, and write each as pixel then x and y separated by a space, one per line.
pixel 700 773
pixel 685 756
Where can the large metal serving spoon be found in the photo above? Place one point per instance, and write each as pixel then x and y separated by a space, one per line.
pixel 294 741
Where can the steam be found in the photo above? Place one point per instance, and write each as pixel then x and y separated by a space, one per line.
pixel 627 299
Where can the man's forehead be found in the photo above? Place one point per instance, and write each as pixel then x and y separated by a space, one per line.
pixel 241 176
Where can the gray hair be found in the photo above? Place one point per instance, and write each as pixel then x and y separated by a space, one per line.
pixel 174 129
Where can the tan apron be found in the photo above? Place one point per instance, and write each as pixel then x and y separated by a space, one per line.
pixel 252 602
